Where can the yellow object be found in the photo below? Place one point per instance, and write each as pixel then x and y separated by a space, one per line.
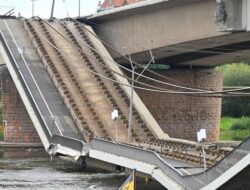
pixel 129 184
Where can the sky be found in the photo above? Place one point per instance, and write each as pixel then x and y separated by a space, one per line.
pixel 42 8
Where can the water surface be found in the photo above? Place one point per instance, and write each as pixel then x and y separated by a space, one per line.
pixel 41 174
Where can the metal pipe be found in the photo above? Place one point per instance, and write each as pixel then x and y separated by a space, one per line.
pixel 33 7
pixel 79 8
pixel 205 164
pixel 52 10
pixel 131 101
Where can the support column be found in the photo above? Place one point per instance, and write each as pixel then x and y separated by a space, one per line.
pixel 181 116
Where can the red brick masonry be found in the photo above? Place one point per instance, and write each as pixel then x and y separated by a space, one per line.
pixel 19 128
pixel 182 116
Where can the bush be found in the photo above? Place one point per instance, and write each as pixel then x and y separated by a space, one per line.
pixel 241 124
pixel 236 75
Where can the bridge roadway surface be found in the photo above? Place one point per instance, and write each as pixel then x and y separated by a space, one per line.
pixel 60 132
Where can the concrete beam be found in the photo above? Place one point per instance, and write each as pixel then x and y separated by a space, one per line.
pixel 248 14
pixel 167 24
pixel 164 26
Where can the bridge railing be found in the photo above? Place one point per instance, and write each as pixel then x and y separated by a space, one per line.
pixel 25 87
pixel 188 182
pixel 43 119
pixel 68 142
pixel 138 154
pixel 223 165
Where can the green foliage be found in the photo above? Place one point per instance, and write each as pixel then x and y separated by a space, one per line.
pixel 236 75
pixel 234 128
pixel 241 124
pixel 231 135
pixel 226 122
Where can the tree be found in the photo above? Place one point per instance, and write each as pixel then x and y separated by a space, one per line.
pixel 236 75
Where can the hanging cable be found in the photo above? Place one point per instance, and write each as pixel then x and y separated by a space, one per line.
pixel 113 49
pixel 149 78
pixel 137 87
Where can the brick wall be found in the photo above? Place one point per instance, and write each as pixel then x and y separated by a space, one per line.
pixel 19 128
pixel 182 116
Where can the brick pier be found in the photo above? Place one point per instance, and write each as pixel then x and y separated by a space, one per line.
pixel 182 116
pixel 18 127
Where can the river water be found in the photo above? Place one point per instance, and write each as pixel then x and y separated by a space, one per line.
pixel 41 174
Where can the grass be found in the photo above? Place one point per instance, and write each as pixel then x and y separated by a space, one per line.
pixel 234 128
pixel 226 122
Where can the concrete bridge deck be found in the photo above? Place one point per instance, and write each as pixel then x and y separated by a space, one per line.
pixel 179 33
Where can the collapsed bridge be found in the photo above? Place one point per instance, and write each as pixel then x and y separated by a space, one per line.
pixel 69 85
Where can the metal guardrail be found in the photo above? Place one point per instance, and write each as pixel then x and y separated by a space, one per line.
pixel 191 182
pixel 56 139
pixel 68 142
pixel 138 154
pixel 226 163
pixel 25 87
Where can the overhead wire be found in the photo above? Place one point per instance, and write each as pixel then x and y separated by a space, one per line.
pixel 139 74
pixel 128 59
pixel 169 84
pixel 118 53
pixel 95 49
pixel 165 91
pixel 89 56
pixel 106 66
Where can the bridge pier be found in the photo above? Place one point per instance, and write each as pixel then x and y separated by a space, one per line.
pixel 181 116
pixel 18 127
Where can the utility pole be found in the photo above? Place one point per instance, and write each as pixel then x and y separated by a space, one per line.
pixel 33 7
pixel 131 100
pixel 132 90
pixel 52 10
